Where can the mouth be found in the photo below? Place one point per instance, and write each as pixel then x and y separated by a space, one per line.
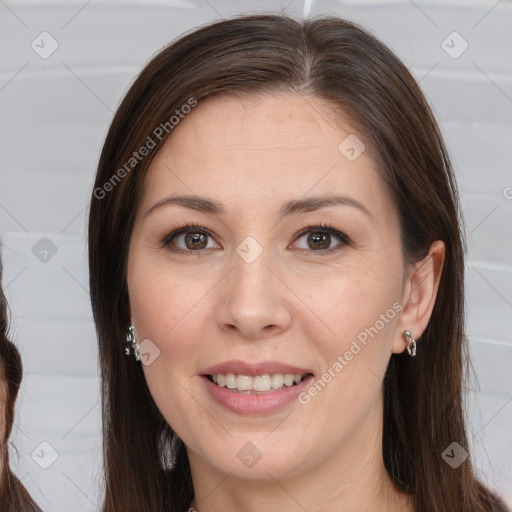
pixel 256 384
pixel 255 388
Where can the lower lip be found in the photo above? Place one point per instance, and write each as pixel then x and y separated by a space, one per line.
pixel 264 403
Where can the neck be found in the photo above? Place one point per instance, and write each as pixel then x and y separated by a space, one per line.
pixel 289 496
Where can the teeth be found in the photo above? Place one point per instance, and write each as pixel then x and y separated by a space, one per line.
pixel 244 383
pixel 230 380
pixel 288 379
pixel 261 383
pixel 277 380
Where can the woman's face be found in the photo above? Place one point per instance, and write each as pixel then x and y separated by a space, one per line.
pixel 248 300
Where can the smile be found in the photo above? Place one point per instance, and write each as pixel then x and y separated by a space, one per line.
pixel 248 384
pixel 257 388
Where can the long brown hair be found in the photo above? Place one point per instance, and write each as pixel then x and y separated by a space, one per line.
pixel 13 495
pixel 339 62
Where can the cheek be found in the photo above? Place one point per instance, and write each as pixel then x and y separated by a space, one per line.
pixel 165 310
pixel 356 300
pixel 171 309
pixel 351 322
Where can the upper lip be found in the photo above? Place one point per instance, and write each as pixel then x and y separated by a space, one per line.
pixel 242 368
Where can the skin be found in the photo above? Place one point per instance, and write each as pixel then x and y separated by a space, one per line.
pixel 292 304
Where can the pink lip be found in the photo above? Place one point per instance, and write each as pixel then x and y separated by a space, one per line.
pixel 242 368
pixel 265 403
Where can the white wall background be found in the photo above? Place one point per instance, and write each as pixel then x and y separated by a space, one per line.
pixel 54 114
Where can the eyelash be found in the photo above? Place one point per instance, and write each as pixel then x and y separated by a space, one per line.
pixel 310 228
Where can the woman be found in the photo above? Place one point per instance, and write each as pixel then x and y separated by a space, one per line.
pixel 274 230
pixel 13 495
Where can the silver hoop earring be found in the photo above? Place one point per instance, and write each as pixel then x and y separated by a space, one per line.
pixel 133 343
pixel 411 342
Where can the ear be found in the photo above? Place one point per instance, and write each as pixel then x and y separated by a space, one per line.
pixel 419 294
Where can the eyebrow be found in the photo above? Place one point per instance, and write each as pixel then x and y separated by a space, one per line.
pixel 205 205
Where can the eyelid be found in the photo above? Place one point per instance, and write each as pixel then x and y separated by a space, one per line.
pixel 192 227
pixel 323 228
pixel 310 228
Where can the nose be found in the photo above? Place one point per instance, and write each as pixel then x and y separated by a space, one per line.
pixel 254 302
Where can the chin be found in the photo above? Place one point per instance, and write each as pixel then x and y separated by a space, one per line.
pixel 256 456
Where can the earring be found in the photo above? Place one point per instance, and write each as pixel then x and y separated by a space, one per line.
pixel 411 347
pixel 132 342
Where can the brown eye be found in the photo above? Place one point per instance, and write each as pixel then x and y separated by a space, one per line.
pixel 188 239
pixel 194 238
pixel 195 241
pixel 320 239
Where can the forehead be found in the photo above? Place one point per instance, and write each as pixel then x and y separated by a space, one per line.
pixel 263 122
pixel 262 147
